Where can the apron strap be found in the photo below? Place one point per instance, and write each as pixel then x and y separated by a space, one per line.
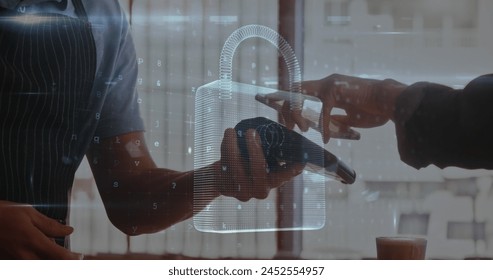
pixel 79 10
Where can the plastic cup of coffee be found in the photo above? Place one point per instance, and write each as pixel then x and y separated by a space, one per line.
pixel 401 248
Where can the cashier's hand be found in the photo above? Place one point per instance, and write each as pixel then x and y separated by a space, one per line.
pixel 245 179
pixel 27 234
pixel 366 102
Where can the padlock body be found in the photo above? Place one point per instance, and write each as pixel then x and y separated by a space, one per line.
pixel 215 111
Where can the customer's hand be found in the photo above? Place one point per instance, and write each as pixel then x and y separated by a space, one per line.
pixel 366 102
pixel 27 234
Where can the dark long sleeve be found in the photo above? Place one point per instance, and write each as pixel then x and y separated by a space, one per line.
pixel 438 125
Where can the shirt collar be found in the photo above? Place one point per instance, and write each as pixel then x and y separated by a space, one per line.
pixel 11 4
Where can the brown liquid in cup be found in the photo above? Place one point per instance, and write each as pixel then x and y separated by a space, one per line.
pixel 401 248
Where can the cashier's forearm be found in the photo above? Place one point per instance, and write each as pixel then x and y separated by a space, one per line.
pixel 153 200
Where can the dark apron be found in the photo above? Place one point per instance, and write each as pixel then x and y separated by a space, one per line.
pixel 47 70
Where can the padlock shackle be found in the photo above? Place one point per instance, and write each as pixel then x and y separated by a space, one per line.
pixel 270 35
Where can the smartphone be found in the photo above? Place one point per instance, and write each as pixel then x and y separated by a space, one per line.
pixel 311 110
